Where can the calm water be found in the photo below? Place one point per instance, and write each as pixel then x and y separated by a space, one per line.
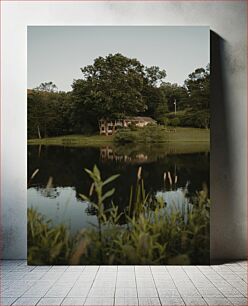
pixel 188 164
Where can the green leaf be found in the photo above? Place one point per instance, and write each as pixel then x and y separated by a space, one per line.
pixel 91 174
pixel 84 197
pixel 110 179
pixel 88 171
pixel 96 172
pixel 108 194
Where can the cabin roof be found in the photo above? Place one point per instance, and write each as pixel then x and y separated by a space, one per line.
pixel 133 118
pixel 138 118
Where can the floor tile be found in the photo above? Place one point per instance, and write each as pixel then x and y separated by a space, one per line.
pixel 99 301
pixel 42 268
pixel 210 292
pixel 73 301
pixel 58 291
pixel 217 301
pixel 7 301
pixel 75 269
pixel 108 269
pixel 165 284
pixel 166 301
pixel 26 301
pixel 239 301
pixel 164 292
pixel 125 269
pixel 189 292
pixel 147 292
pixel 12 293
pixel 142 282
pixel 126 283
pixel 102 292
pixel 194 301
pixel 79 291
pixel 58 268
pixel 50 301
pixel 126 292
pixel 120 301
pixel 149 301
pixel 230 292
pixel 37 291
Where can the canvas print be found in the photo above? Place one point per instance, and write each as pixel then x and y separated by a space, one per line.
pixel 118 121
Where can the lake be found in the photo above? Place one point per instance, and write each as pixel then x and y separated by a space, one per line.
pixel 174 171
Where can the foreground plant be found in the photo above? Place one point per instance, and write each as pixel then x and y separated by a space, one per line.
pixel 151 234
pixel 47 244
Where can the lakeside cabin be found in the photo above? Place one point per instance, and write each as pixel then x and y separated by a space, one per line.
pixel 108 127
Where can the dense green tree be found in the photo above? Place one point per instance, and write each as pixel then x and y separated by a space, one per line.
pixel 111 87
pixel 36 114
pixel 156 102
pixel 115 87
pixel 49 113
pixel 198 88
pixel 47 87
pixel 154 75
pixel 175 93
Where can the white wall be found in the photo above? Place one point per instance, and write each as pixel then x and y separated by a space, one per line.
pixel 229 93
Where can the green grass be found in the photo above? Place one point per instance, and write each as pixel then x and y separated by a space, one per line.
pixel 179 134
pixel 161 134
pixel 183 134
pixel 72 140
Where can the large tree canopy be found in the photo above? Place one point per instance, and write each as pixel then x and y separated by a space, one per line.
pixel 113 87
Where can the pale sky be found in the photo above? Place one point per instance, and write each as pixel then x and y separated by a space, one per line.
pixel 56 53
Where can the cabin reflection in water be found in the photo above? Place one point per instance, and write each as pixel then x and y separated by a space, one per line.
pixel 107 153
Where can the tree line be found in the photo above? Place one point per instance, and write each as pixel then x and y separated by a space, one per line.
pixel 113 87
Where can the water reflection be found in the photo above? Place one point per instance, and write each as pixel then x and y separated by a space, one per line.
pixel 109 154
pixel 171 172
pixel 65 207
pixel 176 201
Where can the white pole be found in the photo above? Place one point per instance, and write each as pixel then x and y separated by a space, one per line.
pixel 175 103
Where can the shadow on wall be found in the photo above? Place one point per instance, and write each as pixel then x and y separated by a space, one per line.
pixel 223 226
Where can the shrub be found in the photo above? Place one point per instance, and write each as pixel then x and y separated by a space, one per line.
pixel 153 133
pixel 174 122
pixel 190 118
pixel 123 136
pixel 46 243
pixel 199 119
pixel 147 134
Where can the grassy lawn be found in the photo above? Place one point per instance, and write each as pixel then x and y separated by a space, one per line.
pixel 80 140
pixel 179 134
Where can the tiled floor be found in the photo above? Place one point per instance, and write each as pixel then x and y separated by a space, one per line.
pixel 123 285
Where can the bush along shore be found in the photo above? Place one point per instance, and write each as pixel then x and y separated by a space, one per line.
pixel 150 235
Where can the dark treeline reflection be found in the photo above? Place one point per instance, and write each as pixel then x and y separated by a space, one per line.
pixel 66 166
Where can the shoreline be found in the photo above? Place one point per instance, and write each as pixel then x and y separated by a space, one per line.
pixel 181 135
